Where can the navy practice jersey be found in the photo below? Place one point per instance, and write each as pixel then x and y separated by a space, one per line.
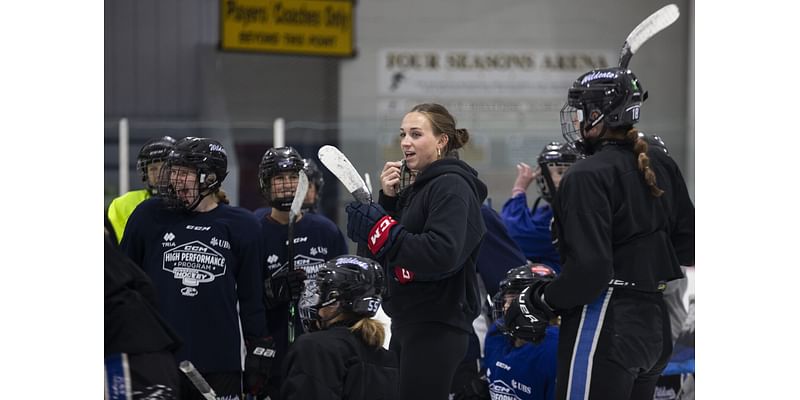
pixel 498 254
pixel 527 372
pixel 316 240
pixel 202 264
pixel 531 230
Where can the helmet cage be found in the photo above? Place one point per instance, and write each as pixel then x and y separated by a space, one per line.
pixel 554 154
pixel 154 150
pixel 355 282
pixel 274 161
pixel 185 190
pixel 515 281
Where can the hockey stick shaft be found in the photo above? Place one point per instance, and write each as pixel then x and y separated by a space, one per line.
pixel 197 380
pixel 294 211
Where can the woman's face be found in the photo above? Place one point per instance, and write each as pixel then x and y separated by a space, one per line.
pixel 284 184
pixel 418 142
pixel 184 181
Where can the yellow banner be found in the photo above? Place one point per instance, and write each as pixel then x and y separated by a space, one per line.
pixel 311 27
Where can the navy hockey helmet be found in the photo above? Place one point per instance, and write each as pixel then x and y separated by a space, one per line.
pixel 554 154
pixel 205 166
pixel 314 177
pixel 274 161
pixel 355 282
pixel 154 150
pixel 611 95
pixel 516 279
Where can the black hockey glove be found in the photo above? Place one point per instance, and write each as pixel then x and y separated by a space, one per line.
pixel 369 223
pixel 528 316
pixel 284 286
pixel 475 389
pixel 257 364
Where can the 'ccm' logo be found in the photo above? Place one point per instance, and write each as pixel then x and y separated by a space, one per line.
pixel 382 226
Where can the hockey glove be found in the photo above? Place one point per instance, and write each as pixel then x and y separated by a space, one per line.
pixel 368 222
pixel 257 364
pixel 475 389
pixel 284 286
pixel 528 316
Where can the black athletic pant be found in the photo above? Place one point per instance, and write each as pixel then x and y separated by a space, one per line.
pixel 428 354
pixel 614 348
pixel 227 385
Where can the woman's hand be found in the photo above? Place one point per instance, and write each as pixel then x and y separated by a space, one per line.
pixel 525 175
pixel 390 178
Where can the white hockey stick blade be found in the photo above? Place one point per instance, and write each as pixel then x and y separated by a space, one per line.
pixel 299 195
pixel 651 25
pixel 199 382
pixel 335 161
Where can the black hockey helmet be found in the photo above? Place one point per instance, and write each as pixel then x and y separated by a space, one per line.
pixel 554 154
pixel 275 160
pixel 516 279
pixel 314 175
pixel 355 282
pixel 610 95
pixel 154 150
pixel 209 161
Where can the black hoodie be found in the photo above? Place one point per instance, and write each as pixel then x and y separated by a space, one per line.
pixel 438 239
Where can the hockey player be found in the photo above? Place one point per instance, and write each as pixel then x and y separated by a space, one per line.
pixel 315 183
pixel 316 240
pixel 205 261
pixel 498 254
pixel 148 163
pixel 139 344
pixel 531 228
pixel 429 249
pixel 626 226
pixel 342 355
pixel 520 365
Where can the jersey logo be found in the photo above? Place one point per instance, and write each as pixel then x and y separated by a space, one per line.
pixel 193 263
pixel 499 390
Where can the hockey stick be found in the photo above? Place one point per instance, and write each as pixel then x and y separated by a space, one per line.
pixel 335 161
pixel 651 25
pixel 297 202
pixel 197 380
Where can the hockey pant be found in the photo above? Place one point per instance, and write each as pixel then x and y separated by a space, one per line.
pixel 614 348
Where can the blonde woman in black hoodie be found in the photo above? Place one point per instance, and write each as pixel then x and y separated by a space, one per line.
pixel 426 231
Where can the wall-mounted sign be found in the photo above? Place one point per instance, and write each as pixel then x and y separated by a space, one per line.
pixel 485 73
pixel 308 27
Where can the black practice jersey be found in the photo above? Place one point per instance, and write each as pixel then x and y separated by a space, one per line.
pixel 336 364
pixel 202 265
pixel 615 232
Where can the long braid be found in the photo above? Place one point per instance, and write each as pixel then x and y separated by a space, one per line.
pixel 640 148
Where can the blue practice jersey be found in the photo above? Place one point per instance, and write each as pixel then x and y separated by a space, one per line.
pixel 202 265
pixel 527 372
pixel 531 230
